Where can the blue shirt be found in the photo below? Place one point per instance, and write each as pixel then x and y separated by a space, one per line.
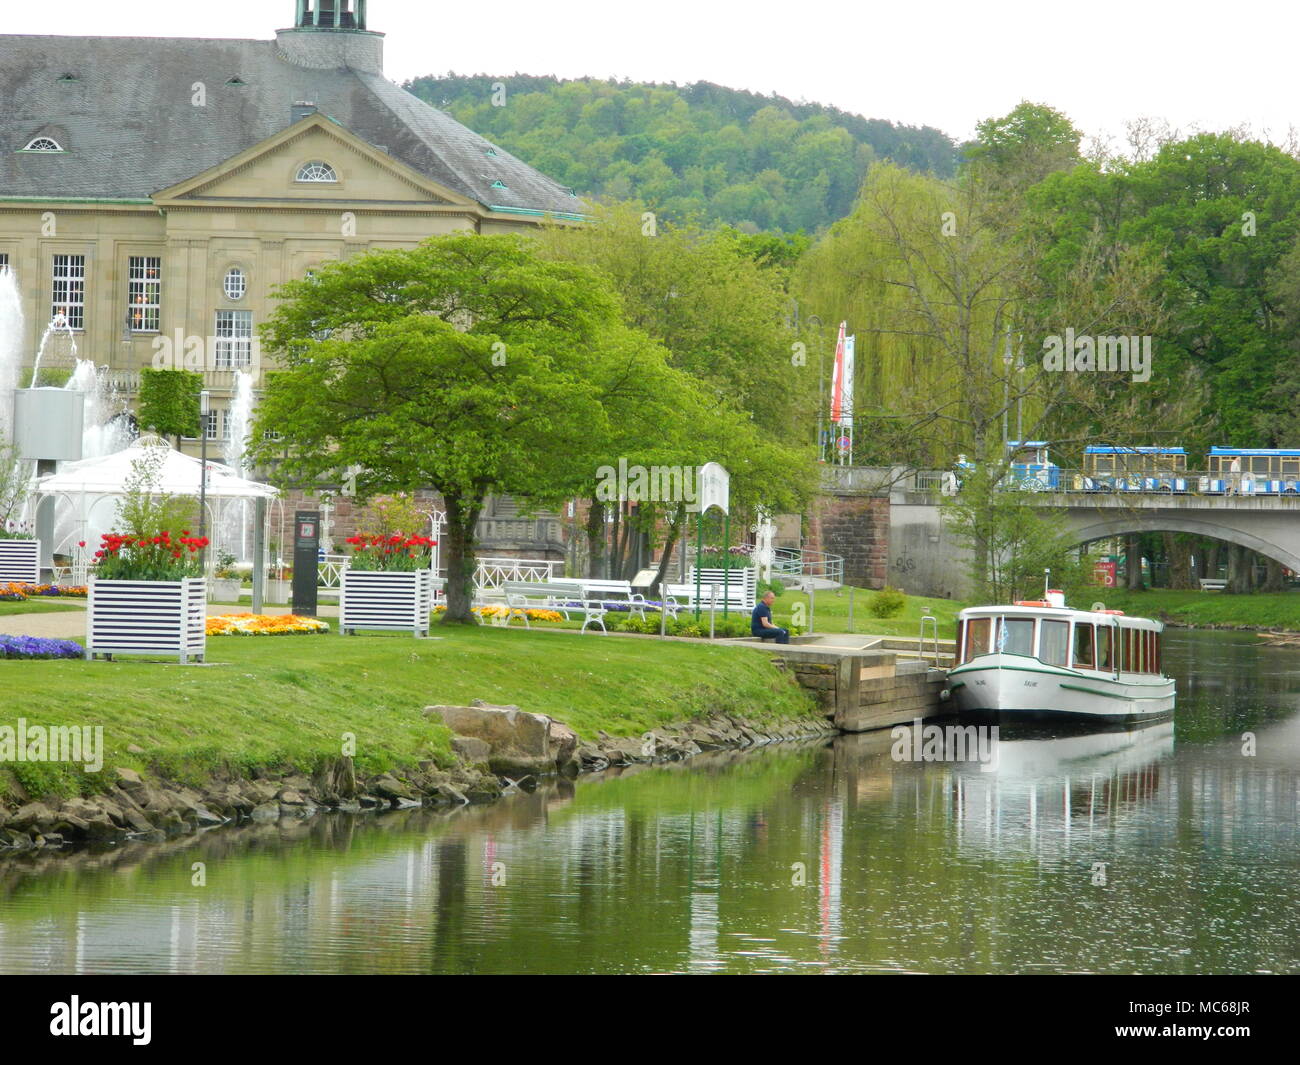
pixel 755 623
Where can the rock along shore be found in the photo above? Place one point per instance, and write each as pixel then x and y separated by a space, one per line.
pixel 498 748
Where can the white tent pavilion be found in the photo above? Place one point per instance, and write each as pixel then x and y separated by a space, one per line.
pixel 90 489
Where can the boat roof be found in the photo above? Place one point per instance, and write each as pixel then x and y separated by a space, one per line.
pixel 1060 613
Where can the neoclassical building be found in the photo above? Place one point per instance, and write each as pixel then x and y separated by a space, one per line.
pixel 162 187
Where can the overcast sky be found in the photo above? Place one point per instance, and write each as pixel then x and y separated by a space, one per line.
pixel 924 62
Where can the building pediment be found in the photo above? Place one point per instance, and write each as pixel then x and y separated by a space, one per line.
pixel 315 162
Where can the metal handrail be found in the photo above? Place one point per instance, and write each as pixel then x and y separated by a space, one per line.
pixel 805 562
pixel 920 643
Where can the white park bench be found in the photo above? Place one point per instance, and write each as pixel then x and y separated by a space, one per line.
pixel 1209 584
pixel 565 597
pixel 679 597
pixel 604 592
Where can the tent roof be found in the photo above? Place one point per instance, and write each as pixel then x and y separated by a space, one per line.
pixel 179 475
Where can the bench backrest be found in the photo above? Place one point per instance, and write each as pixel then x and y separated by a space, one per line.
pixel 549 590
pixel 621 587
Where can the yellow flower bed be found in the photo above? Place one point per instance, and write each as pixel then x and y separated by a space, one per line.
pixel 500 612
pixel 264 625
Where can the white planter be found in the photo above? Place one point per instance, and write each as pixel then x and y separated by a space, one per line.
pixel 165 618
pixel 276 592
pixel 379 599
pixel 741 584
pixel 20 561
pixel 223 590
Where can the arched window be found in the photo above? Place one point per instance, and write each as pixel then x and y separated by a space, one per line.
pixel 235 283
pixel 43 144
pixel 316 171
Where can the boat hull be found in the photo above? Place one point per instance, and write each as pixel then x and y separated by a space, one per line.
pixel 1011 688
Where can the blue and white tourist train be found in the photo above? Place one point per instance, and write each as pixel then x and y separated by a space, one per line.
pixel 1041 660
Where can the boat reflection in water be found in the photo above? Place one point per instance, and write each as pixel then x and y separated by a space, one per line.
pixel 1045 790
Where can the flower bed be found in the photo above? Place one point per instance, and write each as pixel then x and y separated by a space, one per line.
pixel 265 625
pixel 16 593
pixel 501 612
pixel 30 647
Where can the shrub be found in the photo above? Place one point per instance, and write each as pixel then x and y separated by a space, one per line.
pixel 887 603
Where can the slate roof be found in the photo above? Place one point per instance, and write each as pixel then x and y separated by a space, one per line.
pixel 129 127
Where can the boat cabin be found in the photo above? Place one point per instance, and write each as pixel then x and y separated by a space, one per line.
pixel 1105 641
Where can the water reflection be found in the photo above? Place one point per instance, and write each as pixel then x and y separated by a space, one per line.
pixel 829 857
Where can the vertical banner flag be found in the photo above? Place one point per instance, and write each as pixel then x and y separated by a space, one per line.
pixel 846 384
pixel 837 378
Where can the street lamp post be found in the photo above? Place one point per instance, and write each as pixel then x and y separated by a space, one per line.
pixel 205 405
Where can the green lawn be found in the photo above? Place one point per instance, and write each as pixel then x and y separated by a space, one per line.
pixel 40 605
pixel 1259 610
pixel 831 613
pixel 272 701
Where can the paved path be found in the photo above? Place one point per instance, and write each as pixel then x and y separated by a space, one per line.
pixel 71 624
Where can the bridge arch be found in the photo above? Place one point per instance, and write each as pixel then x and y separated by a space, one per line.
pixel 1132 524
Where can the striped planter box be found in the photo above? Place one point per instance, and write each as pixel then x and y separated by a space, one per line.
pixel 20 561
pixel 741 584
pixel 380 599
pixel 165 618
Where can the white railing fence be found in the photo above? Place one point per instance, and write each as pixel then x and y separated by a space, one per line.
pixel 492 573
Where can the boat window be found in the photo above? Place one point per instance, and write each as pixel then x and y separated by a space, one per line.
pixel 1053 640
pixel 1104 659
pixel 1017 636
pixel 1083 646
pixel 1139 652
pixel 977 637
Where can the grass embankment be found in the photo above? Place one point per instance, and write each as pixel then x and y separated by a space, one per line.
pixel 831 613
pixel 38 605
pixel 272 702
pixel 1196 609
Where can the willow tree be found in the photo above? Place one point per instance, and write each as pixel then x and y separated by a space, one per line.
pixel 468 365
pixel 954 300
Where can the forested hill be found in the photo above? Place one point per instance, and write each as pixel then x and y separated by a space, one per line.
pixel 701 150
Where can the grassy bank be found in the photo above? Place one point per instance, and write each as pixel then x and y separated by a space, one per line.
pixel 38 605
pixel 1260 610
pixel 831 613
pixel 271 702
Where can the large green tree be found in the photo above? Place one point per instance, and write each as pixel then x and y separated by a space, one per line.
pixel 468 364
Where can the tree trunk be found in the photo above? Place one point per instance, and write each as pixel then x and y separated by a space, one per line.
pixel 458 539
pixel 1210 565
pixel 1238 570
pixel 595 539
pixel 665 560
pixel 1178 550
pixel 1133 563
pixel 1273 579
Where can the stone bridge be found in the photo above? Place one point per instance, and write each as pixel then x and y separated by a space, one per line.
pixel 887 524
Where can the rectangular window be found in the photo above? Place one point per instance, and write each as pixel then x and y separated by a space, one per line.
pixel 4 260
pixel 69 295
pixel 1053 641
pixel 210 422
pixel 144 292
pixel 1104 660
pixel 977 637
pixel 1017 636
pixel 234 340
pixel 1083 657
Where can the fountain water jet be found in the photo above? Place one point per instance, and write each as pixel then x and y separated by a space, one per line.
pixel 11 353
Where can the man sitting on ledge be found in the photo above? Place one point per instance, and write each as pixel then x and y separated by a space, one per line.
pixel 760 622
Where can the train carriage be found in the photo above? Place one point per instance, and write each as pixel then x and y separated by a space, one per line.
pixel 1259 471
pixel 1133 469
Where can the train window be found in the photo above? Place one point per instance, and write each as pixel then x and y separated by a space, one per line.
pixel 1053 641
pixel 1083 657
pixel 1104 659
pixel 977 637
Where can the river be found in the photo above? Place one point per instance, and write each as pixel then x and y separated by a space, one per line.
pixel 1173 850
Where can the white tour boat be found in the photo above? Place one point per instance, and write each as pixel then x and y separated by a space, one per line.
pixel 1042 660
